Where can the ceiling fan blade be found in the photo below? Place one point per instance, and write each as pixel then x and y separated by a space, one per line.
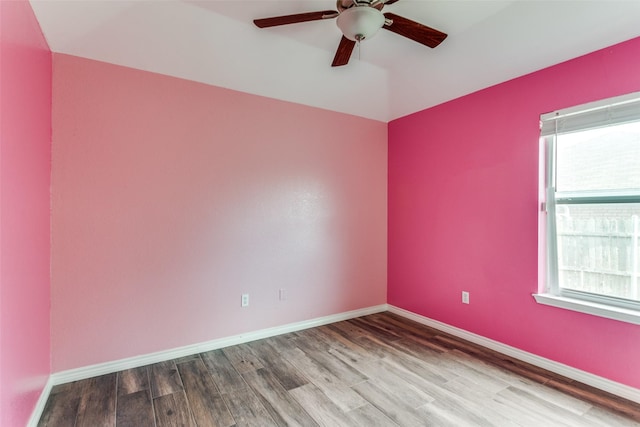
pixel 379 4
pixel 343 54
pixel 294 19
pixel 414 30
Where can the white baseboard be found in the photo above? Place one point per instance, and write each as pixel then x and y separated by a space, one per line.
pixel 584 377
pixel 40 404
pixel 62 377
pixel 161 356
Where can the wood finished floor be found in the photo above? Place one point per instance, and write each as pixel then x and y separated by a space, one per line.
pixel 378 370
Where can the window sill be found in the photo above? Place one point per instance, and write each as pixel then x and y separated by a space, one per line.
pixel 602 310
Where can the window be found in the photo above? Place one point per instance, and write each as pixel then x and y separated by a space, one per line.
pixel 592 207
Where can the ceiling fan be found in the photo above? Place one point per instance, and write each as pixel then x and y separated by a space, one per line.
pixel 359 20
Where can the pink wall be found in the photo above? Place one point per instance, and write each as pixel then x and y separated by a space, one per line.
pixel 463 211
pixel 171 198
pixel 25 156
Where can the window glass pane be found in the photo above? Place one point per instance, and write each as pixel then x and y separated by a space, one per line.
pixel 599 248
pixel 599 159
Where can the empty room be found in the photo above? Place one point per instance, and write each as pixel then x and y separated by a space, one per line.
pixel 351 213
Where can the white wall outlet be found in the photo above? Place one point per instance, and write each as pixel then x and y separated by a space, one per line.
pixel 465 297
pixel 282 294
pixel 245 300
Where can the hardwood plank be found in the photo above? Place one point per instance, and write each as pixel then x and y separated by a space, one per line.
pixel 459 361
pixel 312 338
pixel 335 389
pixel 522 417
pixel 405 362
pixel 555 415
pixel 409 362
pixel 288 375
pixel 479 376
pixel 398 380
pixel 172 410
pixel 98 402
pixel 347 373
pixel 404 327
pixel 606 418
pixel 135 410
pixel 319 406
pixel 491 408
pixel 206 403
pixel 164 378
pixel 343 349
pixel 375 346
pixel 416 343
pixel 389 404
pixel 483 403
pixel 282 342
pixel 378 332
pixel 340 344
pixel 393 379
pixel 473 389
pixel 446 366
pixel 133 380
pixel 401 330
pixel 440 414
pixel 242 359
pixel 558 398
pixel 600 398
pixel 61 408
pixel 348 330
pixel 526 416
pixel 523 369
pixel 247 408
pixel 223 372
pixel 282 407
pixel 369 416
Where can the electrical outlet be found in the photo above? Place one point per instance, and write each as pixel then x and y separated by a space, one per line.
pixel 282 294
pixel 245 300
pixel 465 297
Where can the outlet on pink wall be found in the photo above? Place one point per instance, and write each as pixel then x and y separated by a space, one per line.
pixel 172 198
pixel 25 155
pixel 463 214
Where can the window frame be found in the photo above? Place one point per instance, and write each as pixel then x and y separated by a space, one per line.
pixel 618 110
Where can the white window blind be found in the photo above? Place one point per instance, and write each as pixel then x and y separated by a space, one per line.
pixel 617 110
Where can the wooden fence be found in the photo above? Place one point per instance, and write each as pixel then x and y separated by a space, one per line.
pixel 599 253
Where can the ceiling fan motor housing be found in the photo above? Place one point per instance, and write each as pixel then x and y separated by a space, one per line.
pixel 360 22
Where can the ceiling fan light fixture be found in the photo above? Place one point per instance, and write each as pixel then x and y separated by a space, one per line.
pixel 360 22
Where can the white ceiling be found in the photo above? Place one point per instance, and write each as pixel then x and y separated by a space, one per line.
pixel 215 42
